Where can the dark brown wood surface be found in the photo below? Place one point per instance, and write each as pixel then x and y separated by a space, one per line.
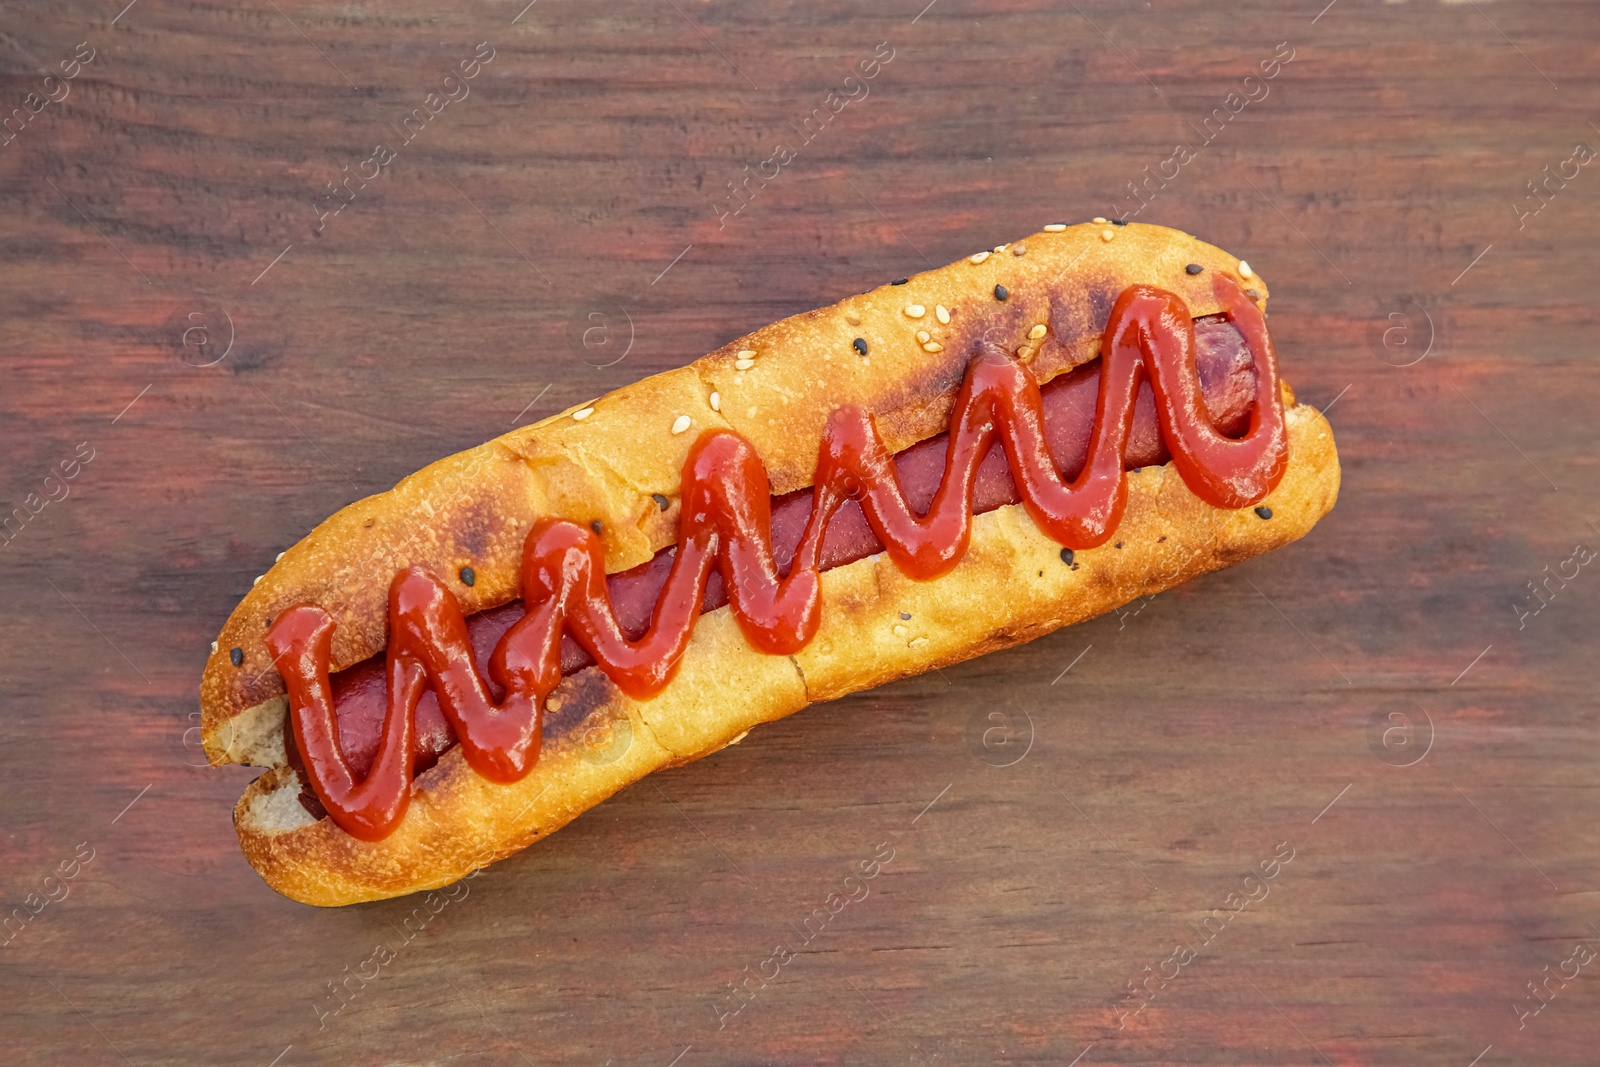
pixel 1378 700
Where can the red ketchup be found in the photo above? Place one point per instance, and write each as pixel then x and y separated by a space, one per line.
pixel 1164 387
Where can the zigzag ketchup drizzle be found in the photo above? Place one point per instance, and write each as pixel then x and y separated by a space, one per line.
pixel 725 522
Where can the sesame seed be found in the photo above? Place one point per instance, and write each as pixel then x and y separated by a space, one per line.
pixel 661 502
pixel 1001 292
pixel 1066 556
pixel 1001 248
pixel 594 524
pixel 860 345
pixel 923 337
pixel 1055 227
pixel 716 401
pixel 1106 235
pixel 900 281
pixel 747 353
pixel 942 313
pixel 915 311
pixel 213 648
pixel 1019 250
pixel 932 346
pixel 257 579
pixel 582 413
pixel 1244 269
pixel 1193 268
pixel 468 576
pixel 1119 222
pixel 1100 220
pixel 906 616
pixel 277 557
pixel 680 424
pixel 743 364
pixel 236 656
pixel 1264 512
pixel 979 257
pixel 1037 332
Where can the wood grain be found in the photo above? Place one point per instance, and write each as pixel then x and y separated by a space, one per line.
pixel 176 186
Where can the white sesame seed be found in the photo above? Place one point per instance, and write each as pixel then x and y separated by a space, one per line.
pixel 743 364
pixel 258 580
pixel 278 557
pixel 1244 269
pixel 932 346
pixel 582 413
pixel 923 337
pixel 942 313
pixel 915 311
pixel 213 648
pixel 1000 248
pixel 1055 227
pixel 1037 332
pixel 716 401
pixel 1019 250
pixel 1100 220
pixel 747 353
pixel 980 257
pixel 1106 235
pixel 680 424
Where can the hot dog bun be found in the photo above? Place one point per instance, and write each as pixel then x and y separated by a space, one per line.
pixel 775 387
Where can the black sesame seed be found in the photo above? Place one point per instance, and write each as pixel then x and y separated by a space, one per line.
pixel 468 577
pixel 595 526
pixel 1066 556
pixel 1119 544
pixel 1001 292
pixel 905 614
pixel 900 281
pixel 1193 268
pixel 1264 512
pixel 661 502
pixel 236 655
pixel 860 345
pixel 1119 222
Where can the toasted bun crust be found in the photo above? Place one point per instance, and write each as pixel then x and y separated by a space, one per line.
pixel 474 509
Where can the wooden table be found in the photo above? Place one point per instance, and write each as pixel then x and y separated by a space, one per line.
pixel 221 361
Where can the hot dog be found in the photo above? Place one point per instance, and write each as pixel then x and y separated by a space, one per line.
pixel 439 675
